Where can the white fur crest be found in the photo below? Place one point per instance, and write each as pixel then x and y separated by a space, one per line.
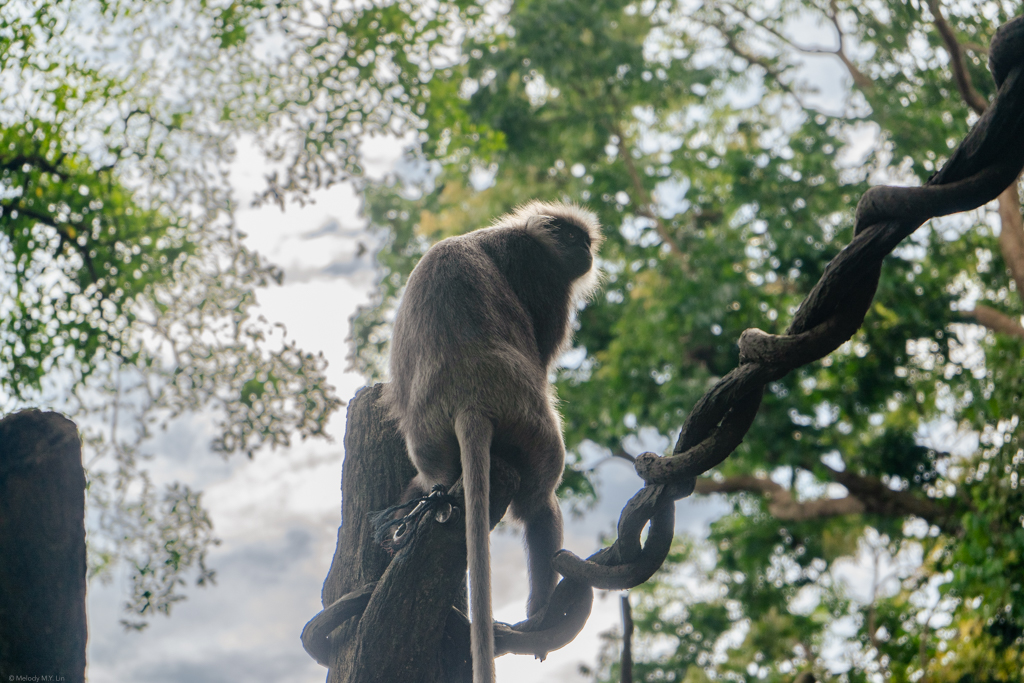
pixel 527 215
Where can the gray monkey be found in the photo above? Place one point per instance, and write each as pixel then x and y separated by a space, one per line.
pixel 483 318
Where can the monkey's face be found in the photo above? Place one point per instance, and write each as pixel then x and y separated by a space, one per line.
pixel 574 246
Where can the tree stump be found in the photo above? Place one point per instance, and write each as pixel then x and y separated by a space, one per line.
pixel 42 548
pixel 411 628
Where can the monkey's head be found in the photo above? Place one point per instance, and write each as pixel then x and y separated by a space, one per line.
pixel 571 232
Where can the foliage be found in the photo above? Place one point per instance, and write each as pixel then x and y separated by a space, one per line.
pixel 127 292
pixel 348 72
pixel 726 182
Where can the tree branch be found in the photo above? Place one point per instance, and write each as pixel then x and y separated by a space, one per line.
pixel 996 321
pixel 644 207
pixel 990 156
pixel 975 47
pixel 781 504
pixel 879 499
pixel 1011 237
pixel 64 233
pixel 859 79
pixel 38 160
pixel 956 60
pixel 867 495
pixel 731 43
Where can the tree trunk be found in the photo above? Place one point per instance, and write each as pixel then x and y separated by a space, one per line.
pixel 375 473
pixel 42 548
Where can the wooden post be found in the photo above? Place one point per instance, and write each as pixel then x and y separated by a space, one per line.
pixel 42 549
pixel 627 641
pixel 409 629
pixel 374 475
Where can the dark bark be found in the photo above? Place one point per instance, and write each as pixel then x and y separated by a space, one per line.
pixel 626 564
pixel 42 548
pixel 374 475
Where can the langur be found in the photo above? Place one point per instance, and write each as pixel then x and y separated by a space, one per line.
pixel 484 317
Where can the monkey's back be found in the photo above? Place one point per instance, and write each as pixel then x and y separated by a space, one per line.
pixel 462 338
pixel 483 317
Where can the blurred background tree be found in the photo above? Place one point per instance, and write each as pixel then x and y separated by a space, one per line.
pixel 127 291
pixel 875 527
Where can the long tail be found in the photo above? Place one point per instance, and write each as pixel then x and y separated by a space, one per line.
pixel 474 432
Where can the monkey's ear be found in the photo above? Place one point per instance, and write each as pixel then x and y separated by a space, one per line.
pixel 537 222
pixel 537 228
pixel 540 226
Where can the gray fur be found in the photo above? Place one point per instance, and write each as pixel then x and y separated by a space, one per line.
pixel 484 317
